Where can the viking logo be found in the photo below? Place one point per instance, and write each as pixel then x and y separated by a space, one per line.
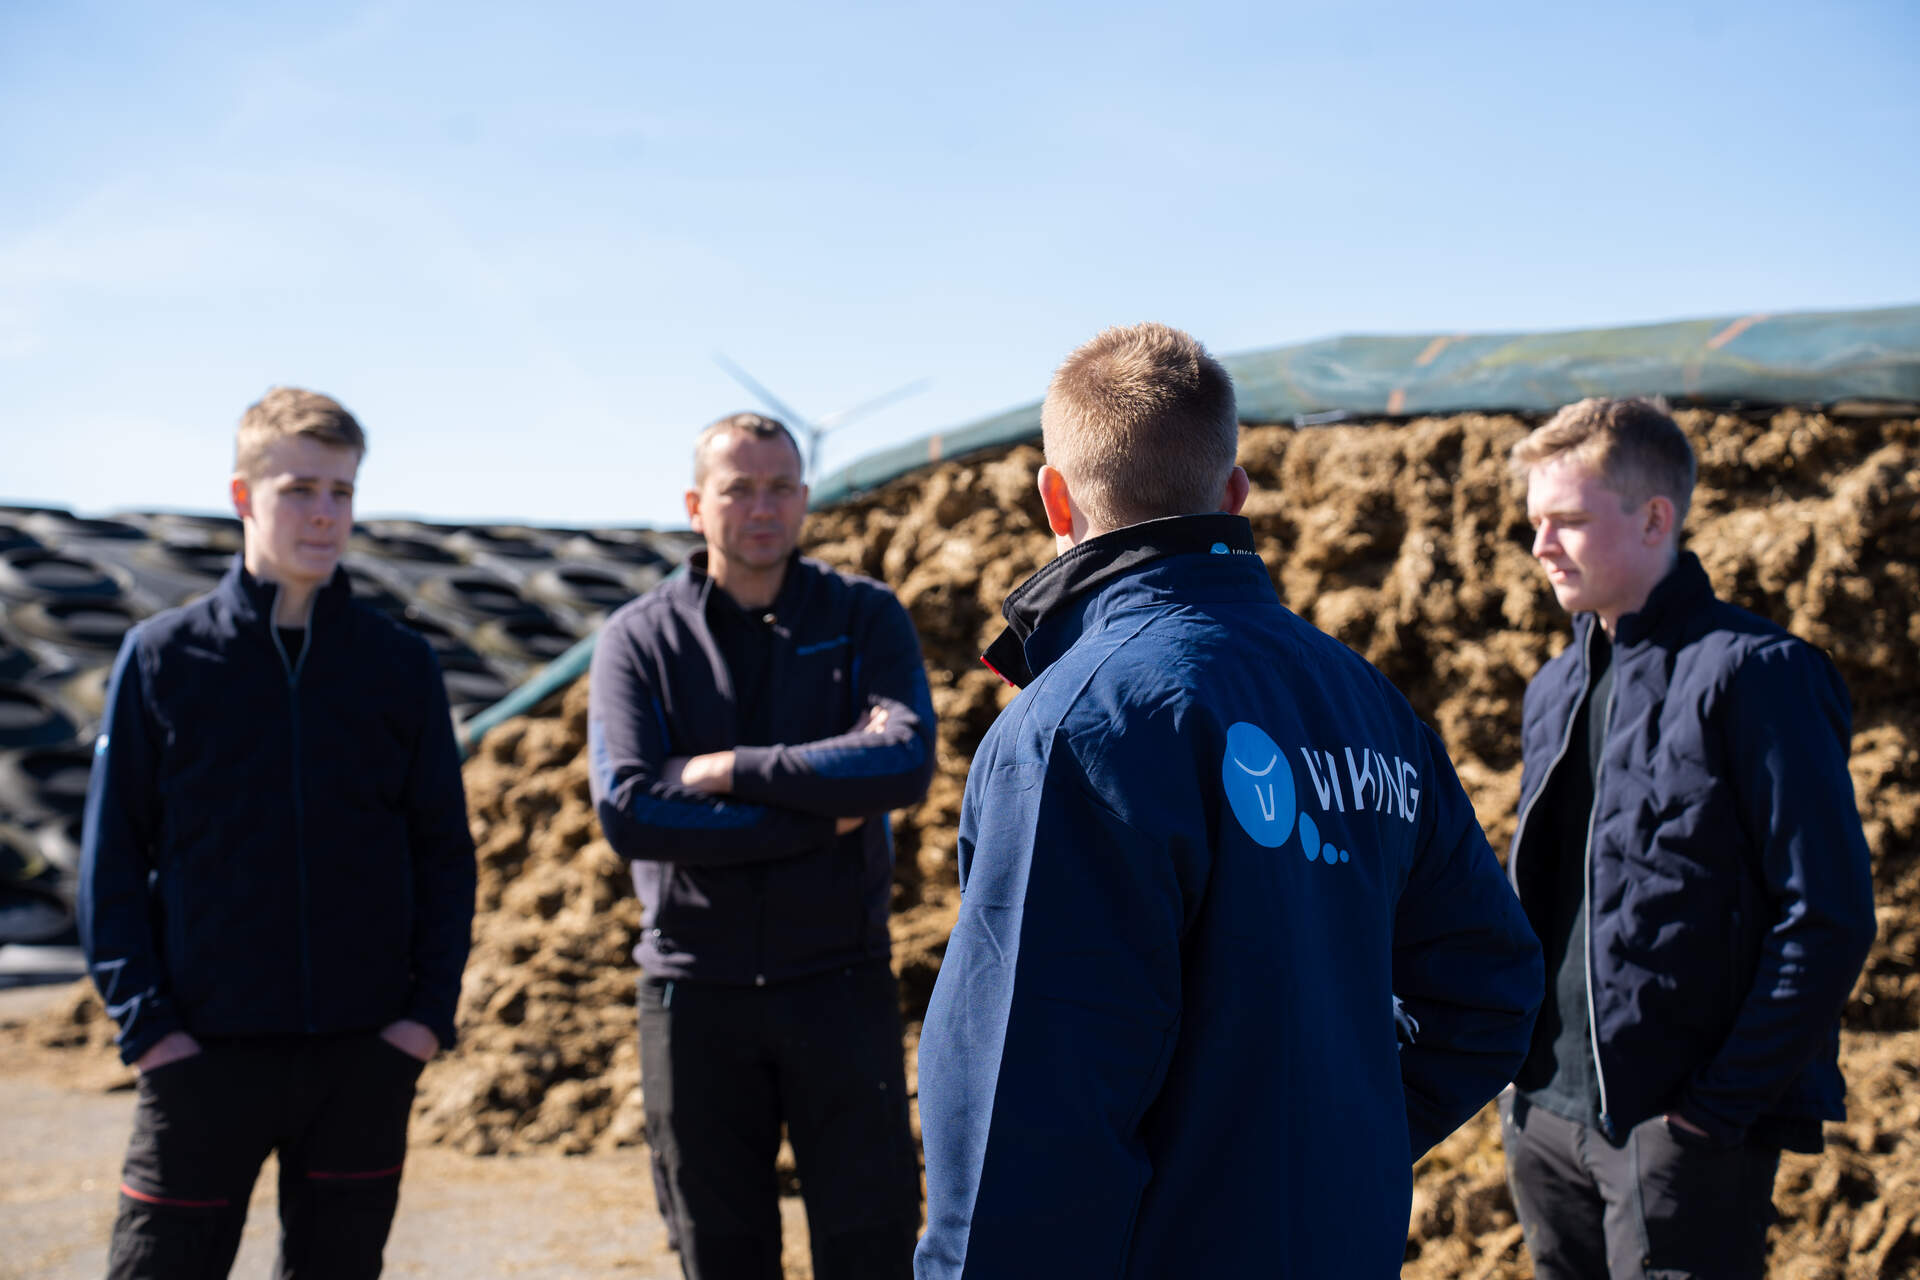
pixel 1259 785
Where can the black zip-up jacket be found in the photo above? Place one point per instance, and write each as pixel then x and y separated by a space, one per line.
pixel 1730 886
pixel 755 887
pixel 275 847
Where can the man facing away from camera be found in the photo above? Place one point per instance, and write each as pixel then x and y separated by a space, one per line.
pixel 1232 951
pixel 752 721
pixel 277 880
pixel 1690 852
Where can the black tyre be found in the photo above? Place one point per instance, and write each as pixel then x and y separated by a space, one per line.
pixel 41 784
pixel 32 908
pixel 529 642
pixel 29 718
pixel 35 573
pixel 477 596
pixel 586 589
pixel 83 629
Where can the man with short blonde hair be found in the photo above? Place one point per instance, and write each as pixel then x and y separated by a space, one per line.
pixel 1115 399
pixel 277 879
pixel 1633 443
pixel 289 411
pixel 1232 950
pixel 1689 851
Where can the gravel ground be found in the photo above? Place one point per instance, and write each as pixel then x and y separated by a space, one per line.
pixel 535 1217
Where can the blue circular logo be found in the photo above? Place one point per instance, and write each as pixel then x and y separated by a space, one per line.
pixel 1259 785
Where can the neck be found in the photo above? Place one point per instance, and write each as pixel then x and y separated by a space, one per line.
pixel 291 600
pixel 750 588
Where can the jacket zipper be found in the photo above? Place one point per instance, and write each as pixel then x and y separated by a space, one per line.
pixel 1593 1024
pixel 293 670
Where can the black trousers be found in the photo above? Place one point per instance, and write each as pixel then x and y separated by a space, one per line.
pixel 335 1108
pixel 1653 1209
pixel 722 1067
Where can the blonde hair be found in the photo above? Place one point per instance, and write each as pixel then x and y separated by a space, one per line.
pixel 1141 421
pixel 1634 445
pixel 288 411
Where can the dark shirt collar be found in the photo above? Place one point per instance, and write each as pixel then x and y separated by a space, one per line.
pixel 1058 592
pixel 710 594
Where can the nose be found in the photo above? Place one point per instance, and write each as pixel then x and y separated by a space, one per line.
pixel 1546 540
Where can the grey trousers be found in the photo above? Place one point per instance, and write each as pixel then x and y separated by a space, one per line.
pixel 1651 1209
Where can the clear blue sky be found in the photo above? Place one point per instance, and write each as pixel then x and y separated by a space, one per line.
pixel 511 240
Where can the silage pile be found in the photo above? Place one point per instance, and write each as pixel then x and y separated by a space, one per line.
pixel 1408 542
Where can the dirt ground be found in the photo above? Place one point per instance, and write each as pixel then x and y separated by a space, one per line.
pixel 1406 540
pixel 535 1217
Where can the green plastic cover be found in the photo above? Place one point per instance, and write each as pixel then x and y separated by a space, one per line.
pixel 1815 357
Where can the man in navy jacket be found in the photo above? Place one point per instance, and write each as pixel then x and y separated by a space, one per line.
pixel 276 885
pixel 1691 855
pixel 1232 951
pixel 752 721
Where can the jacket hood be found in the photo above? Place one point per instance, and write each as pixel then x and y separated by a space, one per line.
pixel 1077 574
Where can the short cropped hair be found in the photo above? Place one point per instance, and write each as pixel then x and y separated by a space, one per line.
pixel 1634 445
pixel 289 411
pixel 1142 423
pixel 757 425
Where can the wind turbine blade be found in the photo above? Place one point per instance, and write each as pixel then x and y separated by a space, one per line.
pixel 765 396
pixel 844 416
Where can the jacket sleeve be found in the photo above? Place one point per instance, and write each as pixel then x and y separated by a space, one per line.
pixel 1056 1014
pixel 1787 737
pixel 856 773
pixel 643 817
pixel 117 861
pixel 1467 969
pixel 440 846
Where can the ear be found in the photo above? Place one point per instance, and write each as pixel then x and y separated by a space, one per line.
pixel 1058 503
pixel 241 492
pixel 693 511
pixel 1659 519
pixel 1238 487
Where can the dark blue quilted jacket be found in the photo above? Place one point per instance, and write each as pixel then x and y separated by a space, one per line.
pixel 1731 889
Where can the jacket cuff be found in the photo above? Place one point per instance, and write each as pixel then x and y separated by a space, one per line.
pixel 1719 1135
pixel 443 1027
pixel 753 774
pixel 148 1028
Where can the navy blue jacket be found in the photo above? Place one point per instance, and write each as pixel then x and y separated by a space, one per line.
pixel 755 887
pixel 1731 889
pixel 269 849
pixel 1200 856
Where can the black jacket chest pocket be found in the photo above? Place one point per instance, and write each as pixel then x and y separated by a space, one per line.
pixel 818 687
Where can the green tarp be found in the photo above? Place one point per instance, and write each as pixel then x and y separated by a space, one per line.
pixel 1803 358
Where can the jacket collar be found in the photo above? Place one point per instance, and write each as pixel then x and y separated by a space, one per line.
pixel 251 599
pixel 702 588
pixel 1672 599
pixel 1059 593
